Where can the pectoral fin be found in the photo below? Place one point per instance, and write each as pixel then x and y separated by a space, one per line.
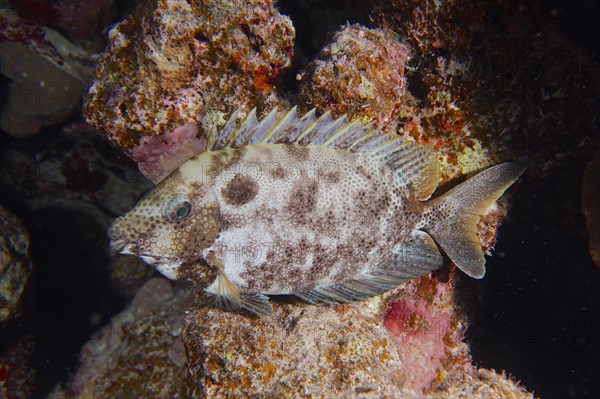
pixel 229 297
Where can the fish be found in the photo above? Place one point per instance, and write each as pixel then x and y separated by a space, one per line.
pixel 328 210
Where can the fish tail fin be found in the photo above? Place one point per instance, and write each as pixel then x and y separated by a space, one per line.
pixel 452 218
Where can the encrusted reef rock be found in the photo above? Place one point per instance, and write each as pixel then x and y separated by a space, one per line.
pixel 344 351
pixel 360 73
pixel 83 20
pixel 140 353
pixel 15 265
pixel 170 343
pixel 177 63
pixel 490 81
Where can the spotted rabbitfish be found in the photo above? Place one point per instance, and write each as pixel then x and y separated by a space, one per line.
pixel 330 211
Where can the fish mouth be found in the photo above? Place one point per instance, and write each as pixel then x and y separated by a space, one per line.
pixel 127 248
pixel 158 261
pixel 121 246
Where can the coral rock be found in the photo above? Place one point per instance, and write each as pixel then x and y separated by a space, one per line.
pixel 360 73
pixel 304 351
pixel 140 353
pixel 15 266
pixel 41 93
pixel 341 351
pixel 177 63
pixel 400 345
pixel 81 19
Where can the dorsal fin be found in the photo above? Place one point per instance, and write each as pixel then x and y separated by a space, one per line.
pixel 415 165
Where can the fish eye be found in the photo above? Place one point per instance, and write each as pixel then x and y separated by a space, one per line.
pixel 179 211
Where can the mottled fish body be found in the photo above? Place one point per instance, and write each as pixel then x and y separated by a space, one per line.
pixel 328 210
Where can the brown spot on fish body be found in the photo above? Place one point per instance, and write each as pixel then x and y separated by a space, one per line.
pixel 224 159
pixel 371 205
pixel 240 190
pixel 329 176
pixel 302 201
pixel 279 172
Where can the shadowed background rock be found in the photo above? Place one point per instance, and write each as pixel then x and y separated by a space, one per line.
pixel 15 266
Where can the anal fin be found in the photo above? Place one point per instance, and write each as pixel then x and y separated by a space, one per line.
pixel 415 258
pixel 419 254
pixel 257 304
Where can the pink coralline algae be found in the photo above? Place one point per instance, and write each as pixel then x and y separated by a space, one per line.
pixel 429 331
pixel 158 156
pixel 177 63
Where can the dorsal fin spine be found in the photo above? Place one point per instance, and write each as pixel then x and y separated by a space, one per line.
pixel 239 130
pixel 264 126
pixel 382 147
pixel 374 140
pixel 280 124
pixel 310 127
pixel 359 142
pixel 300 124
pixel 330 130
pixel 412 163
pixel 340 132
